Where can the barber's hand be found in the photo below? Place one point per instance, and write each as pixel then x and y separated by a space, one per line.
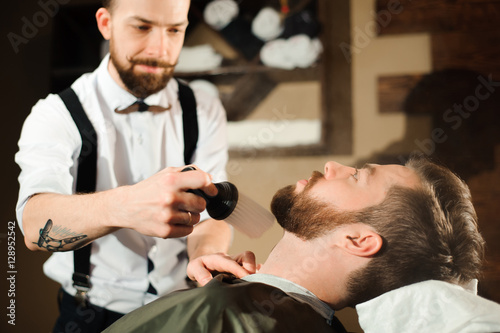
pixel 240 265
pixel 160 206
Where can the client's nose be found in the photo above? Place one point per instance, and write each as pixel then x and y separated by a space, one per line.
pixel 337 170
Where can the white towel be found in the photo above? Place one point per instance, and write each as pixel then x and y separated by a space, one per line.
pixel 219 13
pixel 198 58
pixel 296 51
pixel 267 25
pixel 429 306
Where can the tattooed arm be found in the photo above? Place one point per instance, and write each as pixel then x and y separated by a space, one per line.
pixel 158 206
pixel 47 240
pixel 56 222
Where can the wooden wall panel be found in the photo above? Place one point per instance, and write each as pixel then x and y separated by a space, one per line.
pixel 475 51
pixel 392 91
pixel 437 15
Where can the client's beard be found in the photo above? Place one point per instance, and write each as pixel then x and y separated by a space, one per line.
pixel 303 215
pixel 281 206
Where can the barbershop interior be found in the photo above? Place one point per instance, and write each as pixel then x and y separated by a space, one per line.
pixel 302 82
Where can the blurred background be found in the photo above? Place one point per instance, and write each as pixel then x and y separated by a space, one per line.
pixel 369 80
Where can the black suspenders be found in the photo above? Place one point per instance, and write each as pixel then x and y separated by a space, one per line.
pixel 87 165
pixel 189 121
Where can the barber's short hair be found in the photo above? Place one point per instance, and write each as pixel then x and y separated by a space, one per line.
pixel 429 233
pixel 109 4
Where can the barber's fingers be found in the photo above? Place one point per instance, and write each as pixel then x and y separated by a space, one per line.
pixel 184 202
pixel 208 187
pixel 170 226
pixel 247 260
pixel 201 268
pixel 169 231
pixel 183 218
pixel 210 190
pixel 193 179
pixel 192 219
pixel 198 272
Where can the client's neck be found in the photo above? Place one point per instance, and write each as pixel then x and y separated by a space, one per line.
pixel 310 264
pixel 285 259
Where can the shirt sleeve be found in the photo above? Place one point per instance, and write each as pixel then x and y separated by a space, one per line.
pixel 48 149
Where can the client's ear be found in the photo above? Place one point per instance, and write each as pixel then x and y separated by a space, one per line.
pixel 361 240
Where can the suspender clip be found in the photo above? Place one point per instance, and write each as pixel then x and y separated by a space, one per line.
pixel 81 282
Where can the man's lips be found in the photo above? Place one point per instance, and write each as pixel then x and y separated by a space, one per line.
pixel 150 69
pixel 300 185
pixel 303 182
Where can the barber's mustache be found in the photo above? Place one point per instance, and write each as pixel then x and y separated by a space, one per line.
pixel 151 62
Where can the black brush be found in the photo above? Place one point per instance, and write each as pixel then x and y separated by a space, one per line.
pixel 236 209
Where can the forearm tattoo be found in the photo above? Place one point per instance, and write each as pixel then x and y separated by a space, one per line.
pixel 56 238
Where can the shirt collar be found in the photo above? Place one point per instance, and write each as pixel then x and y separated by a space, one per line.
pixel 116 97
pixel 295 291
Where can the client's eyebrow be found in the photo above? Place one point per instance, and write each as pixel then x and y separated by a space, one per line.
pixel 370 171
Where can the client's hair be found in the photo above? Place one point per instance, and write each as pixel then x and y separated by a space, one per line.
pixel 429 233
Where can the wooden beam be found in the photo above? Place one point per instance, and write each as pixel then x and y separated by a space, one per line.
pixel 249 90
pixel 336 77
pixel 437 16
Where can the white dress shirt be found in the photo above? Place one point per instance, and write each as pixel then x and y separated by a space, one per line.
pixel 131 147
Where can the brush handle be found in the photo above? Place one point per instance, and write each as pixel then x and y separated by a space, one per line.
pixel 221 205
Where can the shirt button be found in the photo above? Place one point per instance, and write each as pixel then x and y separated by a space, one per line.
pixel 139 139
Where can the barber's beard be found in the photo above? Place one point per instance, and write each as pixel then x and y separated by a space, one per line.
pixel 142 85
pixel 304 215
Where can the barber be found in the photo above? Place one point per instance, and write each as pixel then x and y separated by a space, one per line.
pixel 137 212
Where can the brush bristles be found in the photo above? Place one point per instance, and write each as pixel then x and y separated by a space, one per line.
pixel 250 218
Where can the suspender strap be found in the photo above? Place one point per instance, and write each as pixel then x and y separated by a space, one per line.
pixel 87 161
pixel 189 120
pixel 85 181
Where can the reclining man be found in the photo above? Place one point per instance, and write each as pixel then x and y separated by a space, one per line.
pixel 397 242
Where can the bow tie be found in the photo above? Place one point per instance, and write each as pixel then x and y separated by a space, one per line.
pixel 140 106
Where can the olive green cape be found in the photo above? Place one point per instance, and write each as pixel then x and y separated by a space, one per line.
pixel 226 305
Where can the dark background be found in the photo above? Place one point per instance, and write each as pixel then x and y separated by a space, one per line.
pixel 24 79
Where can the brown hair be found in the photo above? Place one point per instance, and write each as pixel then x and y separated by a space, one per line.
pixel 108 4
pixel 429 233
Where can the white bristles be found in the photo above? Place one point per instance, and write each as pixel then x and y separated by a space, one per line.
pixel 249 217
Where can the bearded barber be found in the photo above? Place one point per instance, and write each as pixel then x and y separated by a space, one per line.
pixel 138 216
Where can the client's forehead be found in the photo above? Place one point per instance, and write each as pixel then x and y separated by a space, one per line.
pixel 393 174
pixel 368 188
